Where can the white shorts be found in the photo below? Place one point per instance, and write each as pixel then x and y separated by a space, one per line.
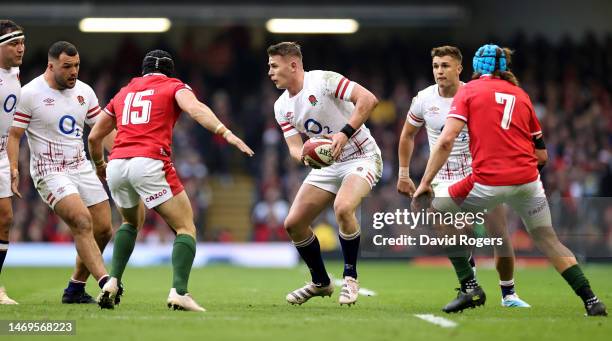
pixel 527 200
pixel 330 178
pixel 440 187
pixel 5 178
pixel 56 186
pixel 153 181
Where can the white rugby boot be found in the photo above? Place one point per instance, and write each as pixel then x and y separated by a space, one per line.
pixel 107 298
pixel 183 302
pixel 349 292
pixel 310 290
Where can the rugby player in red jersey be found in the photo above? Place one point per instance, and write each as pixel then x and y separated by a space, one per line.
pixel 506 145
pixel 140 170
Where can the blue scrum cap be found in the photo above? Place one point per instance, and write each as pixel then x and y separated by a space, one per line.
pixel 489 58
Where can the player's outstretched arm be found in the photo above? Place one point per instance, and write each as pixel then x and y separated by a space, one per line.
pixel 364 102
pixel 404 152
pixel 439 154
pixel 104 126
pixel 202 114
pixel 12 149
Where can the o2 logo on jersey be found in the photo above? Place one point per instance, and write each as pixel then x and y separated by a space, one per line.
pixel 68 126
pixel 312 126
pixel 461 137
pixel 9 103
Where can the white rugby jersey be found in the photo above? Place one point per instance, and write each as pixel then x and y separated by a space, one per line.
pixel 431 109
pixel 10 92
pixel 54 122
pixel 323 106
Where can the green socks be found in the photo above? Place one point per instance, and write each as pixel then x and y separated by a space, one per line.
pixel 183 254
pixel 125 238
pixel 463 268
pixel 575 277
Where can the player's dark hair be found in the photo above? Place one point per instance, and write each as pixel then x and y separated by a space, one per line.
pixel 505 75
pixel 60 47
pixel 286 48
pixel 158 61
pixel 447 50
pixel 8 26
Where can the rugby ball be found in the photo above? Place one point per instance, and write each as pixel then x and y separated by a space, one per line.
pixel 317 151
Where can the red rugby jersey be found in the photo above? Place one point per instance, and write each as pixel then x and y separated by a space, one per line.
pixel 145 112
pixel 502 123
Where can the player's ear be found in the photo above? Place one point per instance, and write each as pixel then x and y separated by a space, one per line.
pixel 460 68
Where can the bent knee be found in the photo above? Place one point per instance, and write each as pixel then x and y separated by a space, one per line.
pixel 104 233
pixel 294 224
pixel 6 221
pixel 343 211
pixel 81 223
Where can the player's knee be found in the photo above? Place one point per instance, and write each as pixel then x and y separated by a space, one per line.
pixel 293 225
pixel 104 234
pixel 6 221
pixel 344 212
pixel 81 223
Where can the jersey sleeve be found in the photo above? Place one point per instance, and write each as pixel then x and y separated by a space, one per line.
pixel 460 109
pixel 284 123
pixel 94 108
pixel 415 113
pixel 181 86
pixel 110 107
pixel 337 86
pixel 23 114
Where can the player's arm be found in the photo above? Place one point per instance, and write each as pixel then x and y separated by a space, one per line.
pixel 99 135
pixel 12 149
pixel 404 152
pixel 540 151
pixel 365 102
pixel 109 140
pixel 442 149
pixel 202 114
pixel 295 145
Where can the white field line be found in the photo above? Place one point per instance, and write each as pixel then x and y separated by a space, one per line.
pixel 437 320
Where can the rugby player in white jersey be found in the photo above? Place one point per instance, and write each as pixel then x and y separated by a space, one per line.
pixel 52 111
pixel 430 108
pixel 324 103
pixel 12 48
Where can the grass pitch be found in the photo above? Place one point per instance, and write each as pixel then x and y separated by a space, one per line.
pixel 249 304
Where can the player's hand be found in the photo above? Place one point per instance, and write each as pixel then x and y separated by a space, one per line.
pixel 339 140
pixel 421 199
pixel 238 143
pixel 15 182
pixel 306 163
pixel 406 187
pixel 101 171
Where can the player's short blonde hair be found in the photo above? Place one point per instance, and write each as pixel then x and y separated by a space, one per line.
pixel 447 50
pixel 286 48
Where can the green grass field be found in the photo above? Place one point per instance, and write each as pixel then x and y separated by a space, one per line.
pixel 250 304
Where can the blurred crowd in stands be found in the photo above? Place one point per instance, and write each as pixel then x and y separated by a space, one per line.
pixel 567 81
